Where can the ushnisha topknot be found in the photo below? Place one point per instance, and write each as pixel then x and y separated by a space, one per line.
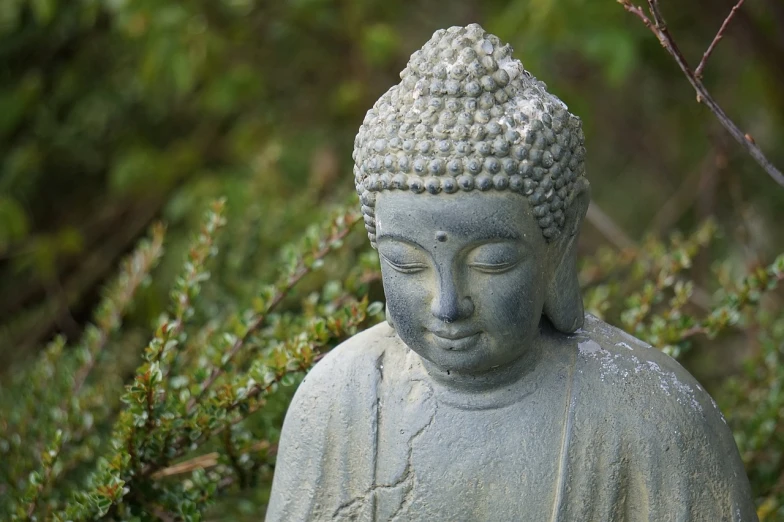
pixel 468 116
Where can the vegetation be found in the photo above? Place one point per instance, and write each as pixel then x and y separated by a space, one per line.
pixel 163 394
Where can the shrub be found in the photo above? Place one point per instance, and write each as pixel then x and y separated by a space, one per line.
pixel 106 430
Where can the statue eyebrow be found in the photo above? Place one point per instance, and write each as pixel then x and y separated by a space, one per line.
pixel 492 236
pixel 507 234
pixel 400 239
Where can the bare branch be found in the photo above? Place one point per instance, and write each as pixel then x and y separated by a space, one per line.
pixel 201 462
pixel 659 29
pixel 162 514
pixel 608 228
pixel 653 5
pixel 698 71
pixel 614 234
pixel 684 197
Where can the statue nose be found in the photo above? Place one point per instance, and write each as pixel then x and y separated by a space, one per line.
pixel 448 305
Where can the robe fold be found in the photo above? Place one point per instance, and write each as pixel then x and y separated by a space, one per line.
pixel 604 428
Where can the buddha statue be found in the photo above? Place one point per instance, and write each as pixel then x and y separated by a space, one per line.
pixel 488 394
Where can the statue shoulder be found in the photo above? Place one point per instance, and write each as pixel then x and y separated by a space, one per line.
pixel 633 373
pixel 635 401
pixel 355 359
pixel 341 385
pixel 328 429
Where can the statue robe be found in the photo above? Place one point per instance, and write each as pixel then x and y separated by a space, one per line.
pixel 602 428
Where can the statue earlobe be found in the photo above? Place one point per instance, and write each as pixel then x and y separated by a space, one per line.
pixel 564 303
pixel 563 300
pixel 388 317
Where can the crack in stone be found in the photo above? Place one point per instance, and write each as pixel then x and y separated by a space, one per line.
pixel 380 367
pixel 408 472
pixel 347 505
pixel 407 476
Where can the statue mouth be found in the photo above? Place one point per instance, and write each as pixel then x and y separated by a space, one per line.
pixel 454 341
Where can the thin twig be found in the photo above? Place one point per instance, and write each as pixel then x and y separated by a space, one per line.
pixel 608 228
pixel 63 316
pixel 138 267
pixel 659 29
pixel 613 233
pixel 208 460
pixel 201 462
pixel 683 198
pixel 179 446
pixel 231 453
pixel 45 482
pixel 162 514
pixel 702 329
pixel 698 71
pixel 301 271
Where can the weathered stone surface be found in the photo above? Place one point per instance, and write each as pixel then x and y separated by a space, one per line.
pixel 468 116
pixel 488 395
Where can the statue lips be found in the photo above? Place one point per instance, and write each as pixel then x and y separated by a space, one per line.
pixel 453 340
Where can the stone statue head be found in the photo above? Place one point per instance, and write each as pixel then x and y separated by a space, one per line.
pixel 471 179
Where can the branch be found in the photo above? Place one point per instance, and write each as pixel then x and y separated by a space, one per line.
pixel 39 321
pixel 231 453
pixel 297 361
pixel 201 462
pixel 301 270
pixel 162 514
pixel 118 297
pixel 208 460
pixel 683 198
pixel 614 234
pixel 719 36
pixel 49 458
pixel 749 291
pixel 659 29
pixel 608 228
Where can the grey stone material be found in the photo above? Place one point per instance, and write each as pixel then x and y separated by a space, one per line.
pixel 488 394
pixel 468 116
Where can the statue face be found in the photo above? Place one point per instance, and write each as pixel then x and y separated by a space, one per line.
pixel 464 275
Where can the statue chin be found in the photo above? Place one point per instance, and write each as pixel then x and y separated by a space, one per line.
pixel 488 394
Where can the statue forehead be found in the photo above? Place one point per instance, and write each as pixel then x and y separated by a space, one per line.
pixel 462 215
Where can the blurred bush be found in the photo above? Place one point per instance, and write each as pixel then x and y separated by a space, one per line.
pixel 116 114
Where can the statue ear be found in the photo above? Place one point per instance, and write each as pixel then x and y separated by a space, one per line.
pixel 563 301
pixel 387 316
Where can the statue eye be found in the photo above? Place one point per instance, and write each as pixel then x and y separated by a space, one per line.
pixel 404 266
pixel 402 256
pixel 495 268
pixel 494 258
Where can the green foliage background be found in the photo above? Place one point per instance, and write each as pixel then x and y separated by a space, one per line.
pixel 118 113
